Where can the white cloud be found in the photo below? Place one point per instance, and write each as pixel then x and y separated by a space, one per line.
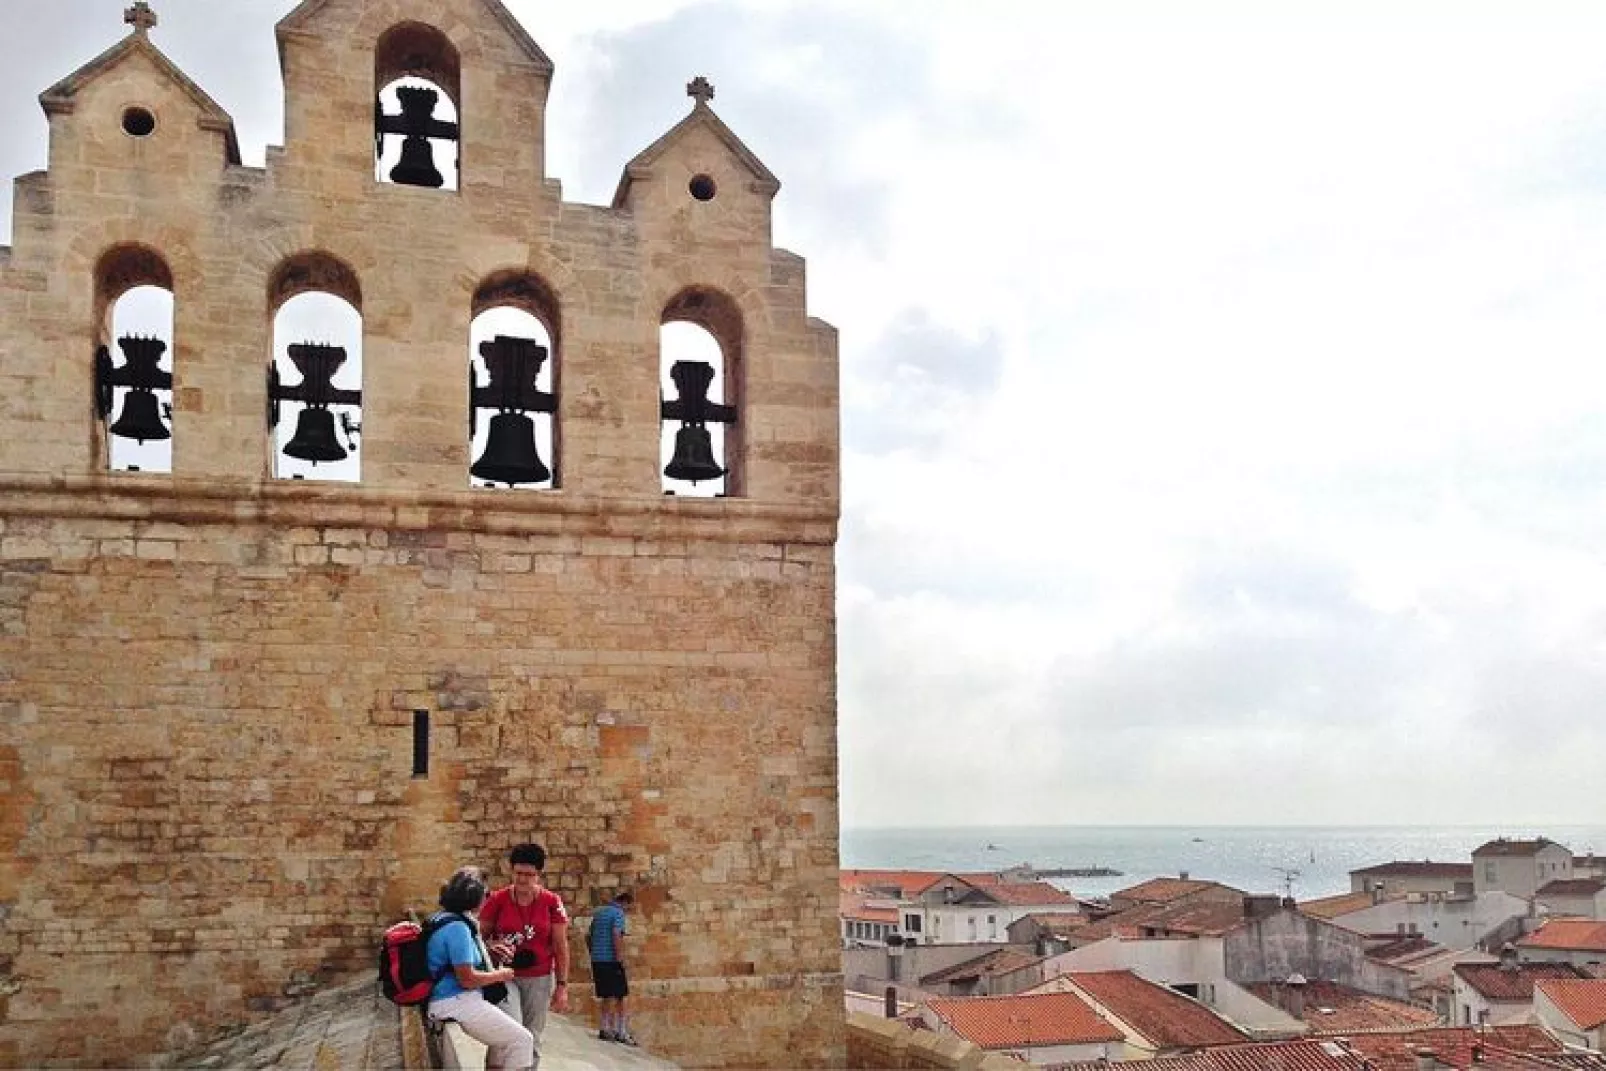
pixel 1225 408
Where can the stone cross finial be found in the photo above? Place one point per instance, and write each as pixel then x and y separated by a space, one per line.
pixel 140 16
pixel 700 89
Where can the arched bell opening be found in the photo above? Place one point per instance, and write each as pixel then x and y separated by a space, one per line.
pixel 133 359
pixel 699 369
pixel 315 373
pixel 417 87
pixel 513 382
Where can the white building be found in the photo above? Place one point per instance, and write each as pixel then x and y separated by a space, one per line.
pixel 1519 867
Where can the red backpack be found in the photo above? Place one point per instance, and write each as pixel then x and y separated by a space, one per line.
pixel 404 974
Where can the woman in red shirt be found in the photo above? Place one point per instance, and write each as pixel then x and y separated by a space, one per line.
pixel 527 928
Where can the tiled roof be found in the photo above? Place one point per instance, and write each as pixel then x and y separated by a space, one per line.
pixel 1572 887
pixel 1503 1047
pixel 1186 918
pixel 1331 907
pixel 1032 893
pixel 1495 981
pixel 1331 1008
pixel 1582 935
pixel 1192 918
pixel 1018 1021
pixel 1055 921
pixel 909 883
pixel 1583 1000
pixel 998 961
pixel 1284 1055
pixel 1502 846
pixel 1403 948
pixel 1409 868
pixel 855 906
pixel 1167 1018
pixel 1164 890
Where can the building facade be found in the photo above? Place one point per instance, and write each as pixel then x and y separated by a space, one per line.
pixel 246 712
pixel 1519 867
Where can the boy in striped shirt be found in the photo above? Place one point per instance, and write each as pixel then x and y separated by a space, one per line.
pixel 606 941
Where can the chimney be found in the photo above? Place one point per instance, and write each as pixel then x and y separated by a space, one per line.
pixel 1508 957
pixel 1427 1060
pixel 1296 995
pixel 1259 906
pixel 1377 892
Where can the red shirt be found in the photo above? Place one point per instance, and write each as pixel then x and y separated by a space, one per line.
pixel 528 926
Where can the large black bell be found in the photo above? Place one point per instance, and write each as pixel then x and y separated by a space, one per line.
pixel 693 458
pixel 417 164
pixel 510 456
pixel 140 419
pixel 314 439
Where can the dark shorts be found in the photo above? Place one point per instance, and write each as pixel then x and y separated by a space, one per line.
pixel 609 979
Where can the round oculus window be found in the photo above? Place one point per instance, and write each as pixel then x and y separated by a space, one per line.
pixel 702 187
pixel 138 122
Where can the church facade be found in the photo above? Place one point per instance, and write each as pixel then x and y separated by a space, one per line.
pixel 249 714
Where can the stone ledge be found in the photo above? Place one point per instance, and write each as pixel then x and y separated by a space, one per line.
pixel 294 503
pixel 890 1043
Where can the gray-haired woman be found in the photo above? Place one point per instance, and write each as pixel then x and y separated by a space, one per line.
pixel 462 971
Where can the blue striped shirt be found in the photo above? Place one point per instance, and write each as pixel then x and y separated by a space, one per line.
pixel 606 924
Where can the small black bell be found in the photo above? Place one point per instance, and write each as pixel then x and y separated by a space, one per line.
pixel 140 419
pixel 314 439
pixel 510 455
pixel 417 164
pixel 694 456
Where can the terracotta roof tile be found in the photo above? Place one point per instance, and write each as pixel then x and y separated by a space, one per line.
pixel 909 883
pixel 1586 935
pixel 1572 887
pixel 1028 894
pixel 1284 1055
pixel 1018 1021
pixel 1583 1000
pixel 1330 1008
pixel 1331 907
pixel 1055 921
pixel 1494 981
pixel 998 961
pixel 1408 868
pixel 1502 846
pixel 1503 1047
pixel 856 906
pixel 1164 890
pixel 1167 1018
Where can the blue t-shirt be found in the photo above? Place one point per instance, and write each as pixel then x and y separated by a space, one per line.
pixel 605 924
pixel 448 946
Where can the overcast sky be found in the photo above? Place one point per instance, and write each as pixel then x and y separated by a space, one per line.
pixel 1224 384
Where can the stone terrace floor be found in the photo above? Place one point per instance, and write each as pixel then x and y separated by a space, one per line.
pixel 351 1025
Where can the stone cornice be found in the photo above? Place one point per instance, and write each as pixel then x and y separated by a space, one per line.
pixel 287 504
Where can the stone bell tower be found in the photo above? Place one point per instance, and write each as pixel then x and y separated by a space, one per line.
pixel 293 621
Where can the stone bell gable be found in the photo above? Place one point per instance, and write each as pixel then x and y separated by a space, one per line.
pixel 569 585
pixel 332 53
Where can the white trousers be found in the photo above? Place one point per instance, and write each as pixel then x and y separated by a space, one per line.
pixel 508 1046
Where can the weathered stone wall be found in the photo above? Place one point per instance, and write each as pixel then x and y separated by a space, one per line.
pixel 208 678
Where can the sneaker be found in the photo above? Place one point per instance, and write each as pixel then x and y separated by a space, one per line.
pixel 607 1035
pixel 626 1039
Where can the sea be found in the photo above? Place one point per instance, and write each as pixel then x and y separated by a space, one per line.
pixel 1300 861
